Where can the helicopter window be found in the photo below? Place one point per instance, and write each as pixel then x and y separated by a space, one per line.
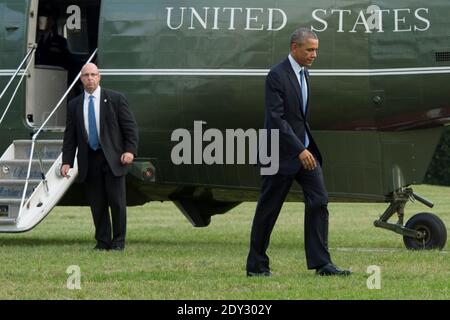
pixel 78 41
pixel 81 37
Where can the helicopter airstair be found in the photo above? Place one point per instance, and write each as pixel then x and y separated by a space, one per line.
pixel 44 186
pixel 30 180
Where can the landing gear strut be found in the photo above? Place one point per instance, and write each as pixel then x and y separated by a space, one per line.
pixel 423 231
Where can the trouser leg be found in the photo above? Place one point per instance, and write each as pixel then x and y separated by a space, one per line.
pixel 97 197
pixel 316 216
pixel 116 191
pixel 273 193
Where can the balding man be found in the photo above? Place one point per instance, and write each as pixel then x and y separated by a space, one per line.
pixel 100 124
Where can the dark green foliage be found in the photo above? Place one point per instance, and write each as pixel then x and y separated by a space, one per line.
pixel 439 171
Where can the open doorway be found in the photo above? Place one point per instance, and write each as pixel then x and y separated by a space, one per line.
pixel 66 33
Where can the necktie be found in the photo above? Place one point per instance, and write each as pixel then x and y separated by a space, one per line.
pixel 93 133
pixel 304 101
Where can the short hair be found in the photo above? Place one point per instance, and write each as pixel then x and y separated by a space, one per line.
pixel 300 35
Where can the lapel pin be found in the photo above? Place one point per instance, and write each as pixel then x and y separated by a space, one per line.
pixel 106 100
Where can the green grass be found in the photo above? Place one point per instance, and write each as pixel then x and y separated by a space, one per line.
pixel 166 258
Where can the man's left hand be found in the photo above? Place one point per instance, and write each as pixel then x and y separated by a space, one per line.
pixel 127 158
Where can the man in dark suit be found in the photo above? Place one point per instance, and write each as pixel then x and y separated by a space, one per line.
pixel 100 124
pixel 286 109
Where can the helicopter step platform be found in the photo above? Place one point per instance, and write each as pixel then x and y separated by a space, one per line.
pixel 45 184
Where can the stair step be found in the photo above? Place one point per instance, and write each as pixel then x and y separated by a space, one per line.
pixel 9 208
pixel 48 149
pixel 10 201
pixel 14 188
pixel 18 182
pixel 17 169
pixel 37 142
pixel 7 221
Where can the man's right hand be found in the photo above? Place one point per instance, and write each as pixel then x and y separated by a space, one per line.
pixel 65 170
pixel 307 160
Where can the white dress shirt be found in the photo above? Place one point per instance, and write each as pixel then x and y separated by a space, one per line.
pixel 297 68
pixel 96 95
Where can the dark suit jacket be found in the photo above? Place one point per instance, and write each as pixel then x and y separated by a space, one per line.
pixel 118 132
pixel 283 111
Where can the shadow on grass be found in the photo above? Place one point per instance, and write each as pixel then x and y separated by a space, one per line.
pixel 30 242
pixel 52 241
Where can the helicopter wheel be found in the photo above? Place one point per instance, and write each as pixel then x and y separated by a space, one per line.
pixel 435 233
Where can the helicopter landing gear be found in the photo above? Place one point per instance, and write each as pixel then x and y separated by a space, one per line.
pixel 423 231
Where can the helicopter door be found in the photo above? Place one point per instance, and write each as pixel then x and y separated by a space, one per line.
pixel 66 33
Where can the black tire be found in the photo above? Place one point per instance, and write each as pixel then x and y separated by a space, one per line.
pixel 434 228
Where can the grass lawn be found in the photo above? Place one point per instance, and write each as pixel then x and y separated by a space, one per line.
pixel 167 258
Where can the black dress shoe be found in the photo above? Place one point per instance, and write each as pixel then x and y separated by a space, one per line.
pixel 331 270
pixel 117 248
pixel 266 273
pixel 100 248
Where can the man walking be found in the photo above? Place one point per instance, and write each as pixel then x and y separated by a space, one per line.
pixel 286 109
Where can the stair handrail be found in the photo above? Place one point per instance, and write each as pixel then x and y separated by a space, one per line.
pixel 32 48
pixel 33 140
pixel 15 90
